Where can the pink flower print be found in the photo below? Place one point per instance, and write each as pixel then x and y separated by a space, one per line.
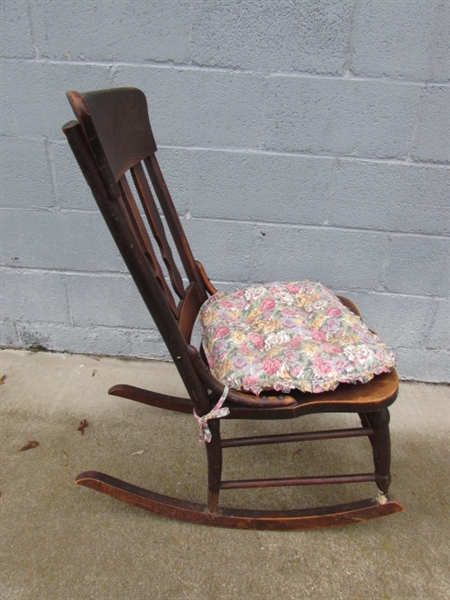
pixel 293 288
pixel 267 304
pixel 257 339
pixel 271 365
pixel 275 289
pixel 244 349
pixel 332 348
pixel 226 303
pixel 221 331
pixel 319 335
pixel 333 311
pixel 250 382
pixel 296 341
pixel 321 366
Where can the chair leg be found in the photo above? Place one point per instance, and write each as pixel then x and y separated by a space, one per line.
pixel 381 448
pixel 364 420
pixel 214 456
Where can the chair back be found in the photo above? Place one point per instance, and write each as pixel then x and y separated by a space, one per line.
pixel 113 143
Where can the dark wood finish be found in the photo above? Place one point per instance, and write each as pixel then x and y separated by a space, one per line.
pixel 284 520
pixel 307 436
pixel 173 403
pixel 381 448
pixel 114 145
pixel 290 481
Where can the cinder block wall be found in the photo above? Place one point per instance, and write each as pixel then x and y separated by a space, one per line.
pixel 300 139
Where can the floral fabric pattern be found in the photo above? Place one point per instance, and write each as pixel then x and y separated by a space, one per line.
pixel 283 336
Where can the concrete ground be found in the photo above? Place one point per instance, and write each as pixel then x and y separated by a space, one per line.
pixel 63 541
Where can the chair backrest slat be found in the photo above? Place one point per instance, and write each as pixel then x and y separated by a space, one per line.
pixel 173 221
pixel 144 239
pixel 157 227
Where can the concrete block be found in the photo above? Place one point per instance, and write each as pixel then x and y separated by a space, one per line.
pixel 72 191
pixel 260 187
pixel 391 197
pixel 399 320
pixel 33 95
pixel 406 39
pixel 272 36
pixel 144 344
pixel 339 116
pixel 58 240
pixel 419 364
pixel 224 248
pixel 112 341
pixel 34 296
pixel 15 31
pixel 339 259
pixel 191 107
pixel 106 300
pixel 138 31
pixel 417 265
pixel 439 335
pixel 25 174
pixel 50 336
pixel 8 334
pixel 433 139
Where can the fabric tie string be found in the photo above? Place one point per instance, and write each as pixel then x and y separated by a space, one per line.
pixel 204 433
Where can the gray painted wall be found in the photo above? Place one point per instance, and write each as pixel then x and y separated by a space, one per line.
pixel 300 139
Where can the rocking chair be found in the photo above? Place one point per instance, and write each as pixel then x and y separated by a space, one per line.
pixel 113 143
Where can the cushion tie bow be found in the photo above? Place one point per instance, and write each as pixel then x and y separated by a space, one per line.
pixel 204 434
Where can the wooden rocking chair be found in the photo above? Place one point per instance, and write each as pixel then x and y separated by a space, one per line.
pixel 113 143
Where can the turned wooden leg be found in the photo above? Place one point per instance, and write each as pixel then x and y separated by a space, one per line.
pixel 364 420
pixel 381 448
pixel 214 456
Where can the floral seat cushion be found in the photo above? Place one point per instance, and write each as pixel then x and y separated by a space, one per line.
pixel 284 336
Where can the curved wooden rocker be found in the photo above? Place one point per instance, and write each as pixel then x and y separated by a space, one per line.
pixel 113 143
